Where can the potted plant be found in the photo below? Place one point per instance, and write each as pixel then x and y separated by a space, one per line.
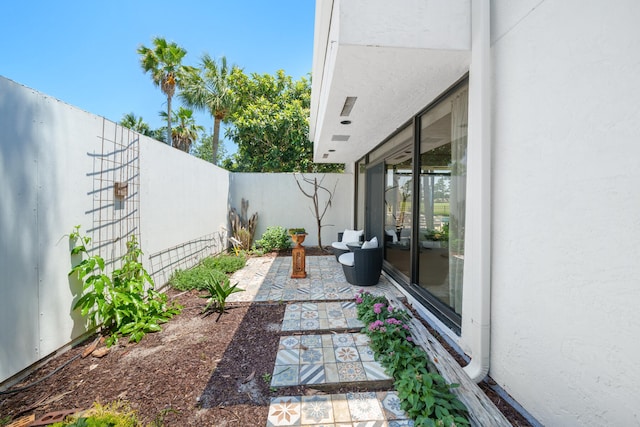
pixel 297 235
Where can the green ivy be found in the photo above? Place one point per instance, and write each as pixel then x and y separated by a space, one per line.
pixel 425 396
pixel 126 303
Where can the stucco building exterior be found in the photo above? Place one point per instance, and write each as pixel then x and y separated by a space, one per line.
pixel 495 151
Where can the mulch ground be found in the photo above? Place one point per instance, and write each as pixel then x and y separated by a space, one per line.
pixel 198 371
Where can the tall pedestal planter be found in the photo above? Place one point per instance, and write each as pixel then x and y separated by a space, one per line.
pixel 298 257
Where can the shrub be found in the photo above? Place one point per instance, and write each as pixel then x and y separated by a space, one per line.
pixel 274 238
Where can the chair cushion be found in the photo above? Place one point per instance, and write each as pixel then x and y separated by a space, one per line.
pixel 373 243
pixel 393 235
pixel 346 259
pixel 351 235
pixel 340 245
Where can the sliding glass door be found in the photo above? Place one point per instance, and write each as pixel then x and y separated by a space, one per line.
pixel 442 196
pixel 416 199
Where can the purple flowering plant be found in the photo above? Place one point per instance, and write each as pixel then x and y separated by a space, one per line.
pixel 424 394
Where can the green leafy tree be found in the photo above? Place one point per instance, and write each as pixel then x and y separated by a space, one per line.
pixel 137 124
pixel 164 62
pixel 202 150
pixel 208 89
pixel 186 130
pixel 270 124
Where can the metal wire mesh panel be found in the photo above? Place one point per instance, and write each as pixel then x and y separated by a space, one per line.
pixel 185 256
pixel 116 192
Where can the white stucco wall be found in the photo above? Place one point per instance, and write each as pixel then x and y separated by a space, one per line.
pixel 181 199
pixel 279 202
pixel 49 158
pixel 566 209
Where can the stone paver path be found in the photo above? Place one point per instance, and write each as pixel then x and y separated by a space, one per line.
pixel 321 346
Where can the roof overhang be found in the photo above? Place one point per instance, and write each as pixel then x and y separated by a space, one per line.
pixel 384 61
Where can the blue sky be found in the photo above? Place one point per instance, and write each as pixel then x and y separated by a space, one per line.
pixel 84 52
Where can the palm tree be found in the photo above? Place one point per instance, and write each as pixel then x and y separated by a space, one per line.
pixel 208 89
pixel 164 62
pixel 186 131
pixel 137 124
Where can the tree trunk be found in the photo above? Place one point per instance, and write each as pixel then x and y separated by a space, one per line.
pixel 216 139
pixel 169 139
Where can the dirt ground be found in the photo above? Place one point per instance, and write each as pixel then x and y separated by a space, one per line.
pixel 196 372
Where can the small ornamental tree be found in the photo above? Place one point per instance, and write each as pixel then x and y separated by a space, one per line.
pixel 319 208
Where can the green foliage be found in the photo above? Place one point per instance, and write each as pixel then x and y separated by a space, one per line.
pixel 117 414
pixel 164 63
pixel 195 277
pixel 208 88
pixel 125 303
pixel 225 263
pixel 297 231
pixel 218 290
pixel 185 130
pixel 270 124
pixel 425 396
pixel 202 149
pixel 275 238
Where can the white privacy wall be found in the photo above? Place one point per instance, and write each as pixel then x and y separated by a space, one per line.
pixel 566 209
pixel 279 202
pixel 52 178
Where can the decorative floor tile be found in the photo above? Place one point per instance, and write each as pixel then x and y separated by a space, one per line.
pixel 311 341
pixel 391 405
pixel 347 354
pixel 351 372
pixel 361 339
pixel 288 356
pixel 329 355
pixel 312 374
pixel 311 356
pixel 309 324
pixel 284 411
pixel 374 371
pixel 285 375
pixel 364 407
pixel 316 409
pixel 343 340
pixel 290 325
pixel 331 373
pixel 288 342
pixel 366 354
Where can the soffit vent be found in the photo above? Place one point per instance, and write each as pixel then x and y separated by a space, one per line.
pixel 341 138
pixel 348 105
pixel 325 155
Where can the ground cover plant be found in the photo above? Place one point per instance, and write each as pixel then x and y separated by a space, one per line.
pixel 124 304
pixel 196 277
pixel 425 396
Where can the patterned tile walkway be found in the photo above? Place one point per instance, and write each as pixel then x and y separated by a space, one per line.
pixel 325 359
pixel 371 409
pixel 269 279
pixel 322 303
pixel 321 316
